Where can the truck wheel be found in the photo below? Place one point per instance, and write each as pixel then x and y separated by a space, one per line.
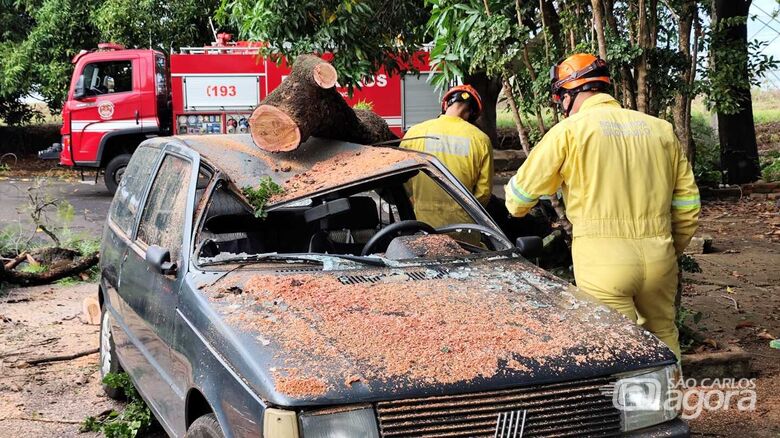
pixel 109 363
pixel 206 426
pixel 115 170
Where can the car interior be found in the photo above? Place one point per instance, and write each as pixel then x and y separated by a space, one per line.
pixel 342 221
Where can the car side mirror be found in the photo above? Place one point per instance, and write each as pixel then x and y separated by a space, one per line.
pixel 529 246
pixel 160 259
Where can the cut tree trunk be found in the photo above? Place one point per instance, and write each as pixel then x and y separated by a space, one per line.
pixel 307 104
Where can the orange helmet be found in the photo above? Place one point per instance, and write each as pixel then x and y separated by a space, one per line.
pixel 578 72
pixel 463 93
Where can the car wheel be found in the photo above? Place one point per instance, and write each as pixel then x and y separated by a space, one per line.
pixel 206 426
pixel 109 363
pixel 115 171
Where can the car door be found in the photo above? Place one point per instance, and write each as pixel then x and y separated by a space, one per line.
pixel 106 98
pixel 151 296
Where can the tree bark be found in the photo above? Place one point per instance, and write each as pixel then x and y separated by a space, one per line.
pixel 63 271
pixel 642 101
pixel 521 130
pixel 680 112
pixel 552 21
pixel 488 89
pixel 307 104
pixel 598 25
pixel 738 149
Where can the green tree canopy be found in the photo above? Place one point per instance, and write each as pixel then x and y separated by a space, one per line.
pixel 40 37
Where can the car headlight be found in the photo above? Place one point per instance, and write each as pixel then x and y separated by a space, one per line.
pixel 648 398
pixel 360 422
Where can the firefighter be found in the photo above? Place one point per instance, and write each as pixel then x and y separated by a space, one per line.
pixel 462 147
pixel 629 192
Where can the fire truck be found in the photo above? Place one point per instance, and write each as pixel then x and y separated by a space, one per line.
pixel 119 97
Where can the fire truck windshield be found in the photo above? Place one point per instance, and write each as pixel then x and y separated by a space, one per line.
pixel 105 77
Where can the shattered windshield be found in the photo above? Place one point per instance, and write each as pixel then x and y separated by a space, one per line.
pixel 408 215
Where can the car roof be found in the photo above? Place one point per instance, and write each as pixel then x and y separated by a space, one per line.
pixel 245 164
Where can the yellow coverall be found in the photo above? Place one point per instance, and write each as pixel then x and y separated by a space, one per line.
pixel 632 201
pixel 466 152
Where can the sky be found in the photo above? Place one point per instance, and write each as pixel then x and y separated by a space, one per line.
pixel 763 26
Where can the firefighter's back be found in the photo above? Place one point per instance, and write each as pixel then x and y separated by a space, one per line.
pixel 620 171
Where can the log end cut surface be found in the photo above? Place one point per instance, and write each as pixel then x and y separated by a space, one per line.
pixel 273 130
pixel 325 75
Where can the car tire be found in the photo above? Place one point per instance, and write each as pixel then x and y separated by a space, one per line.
pixel 109 362
pixel 114 171
pixel 206 426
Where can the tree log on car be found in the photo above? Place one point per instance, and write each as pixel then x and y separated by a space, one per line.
pixel 307 104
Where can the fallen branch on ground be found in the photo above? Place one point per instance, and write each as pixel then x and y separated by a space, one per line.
pixel 736 306
pixel 16 260
pixel 61 358
pixel 75 267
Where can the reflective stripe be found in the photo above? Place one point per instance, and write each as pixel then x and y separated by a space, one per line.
pixel 520 194
pixel 449 144
pixel 686 202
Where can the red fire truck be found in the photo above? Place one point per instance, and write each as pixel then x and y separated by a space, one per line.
pixel 120 97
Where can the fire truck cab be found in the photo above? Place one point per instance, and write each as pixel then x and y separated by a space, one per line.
pixel 120 97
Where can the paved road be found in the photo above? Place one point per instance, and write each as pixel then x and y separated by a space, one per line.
pixel 89 201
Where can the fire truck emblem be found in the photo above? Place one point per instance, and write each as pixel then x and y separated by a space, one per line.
pixel 106 109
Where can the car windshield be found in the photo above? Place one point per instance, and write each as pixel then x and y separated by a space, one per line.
pixel 407 215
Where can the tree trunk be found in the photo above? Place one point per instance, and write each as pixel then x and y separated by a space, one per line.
pixel 532 73
pixel 626 77
pixel 680 111
pixel 643 34
pixel 598 25
pixel 738 149
pixel 521 131
pixel 307 104
pixel 488 89
pixel 552 21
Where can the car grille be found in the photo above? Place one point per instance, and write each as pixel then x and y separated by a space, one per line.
pixel 556 410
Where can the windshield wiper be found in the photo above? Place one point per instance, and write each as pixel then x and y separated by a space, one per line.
pixel 250 258
pixel 313 258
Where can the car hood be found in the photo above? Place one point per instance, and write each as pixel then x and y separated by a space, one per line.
pixel 314 338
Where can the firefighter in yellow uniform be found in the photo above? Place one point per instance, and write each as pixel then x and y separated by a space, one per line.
pixel 461 147
pixel 629 191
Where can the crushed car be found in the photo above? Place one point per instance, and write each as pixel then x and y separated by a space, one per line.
pixel 320 307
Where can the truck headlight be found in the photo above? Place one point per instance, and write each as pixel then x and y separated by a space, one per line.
pixel 648 398
pixel 360 422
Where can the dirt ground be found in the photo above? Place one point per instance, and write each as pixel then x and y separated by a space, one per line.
pixel 47 400
pixel 738 293
pixel 51 400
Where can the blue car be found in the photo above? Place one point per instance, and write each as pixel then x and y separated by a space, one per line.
pixel 317 305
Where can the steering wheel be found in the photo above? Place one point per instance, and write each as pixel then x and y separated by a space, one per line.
pixel 384 236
